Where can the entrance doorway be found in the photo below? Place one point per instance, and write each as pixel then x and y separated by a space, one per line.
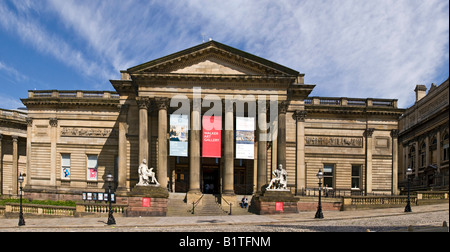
pixel 210 179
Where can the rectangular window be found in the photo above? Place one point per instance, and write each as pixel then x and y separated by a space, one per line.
pixel 92 167
pixel 356 176
pixel 65 166
pixel 328 170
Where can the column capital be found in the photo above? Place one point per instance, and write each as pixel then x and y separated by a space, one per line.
pixel 300 115
pixel 369 132
pixel 282 106
pixel 53 122
pixel 29 121
pixel 143 102
pixel 162 103
pixel 394 133
pixel 15 138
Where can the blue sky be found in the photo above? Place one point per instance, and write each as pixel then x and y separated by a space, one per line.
pixel 348 48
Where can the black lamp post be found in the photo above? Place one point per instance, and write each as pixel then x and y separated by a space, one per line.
pixel 319 214
pixel 21 219
pixel 408 204
pixel 111 220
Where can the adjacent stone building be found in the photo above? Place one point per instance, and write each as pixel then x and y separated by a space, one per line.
pixel 75 138
pixel 423 138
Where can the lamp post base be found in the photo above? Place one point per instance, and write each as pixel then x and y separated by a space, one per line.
pixel 21 220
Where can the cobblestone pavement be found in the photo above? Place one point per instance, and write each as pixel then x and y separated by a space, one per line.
pixel 423 218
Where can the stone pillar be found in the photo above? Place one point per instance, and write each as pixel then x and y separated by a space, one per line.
pixel 143 104
pixel 194 149
pixel 416 161
pixel 299 117
pixel 438 151
pixel 281 138
pixel 1 165
pixel 53 138
pixel 29 134
pixel 228 171
pixel 427 152
pixel 368 135
pixel 394 135
pixel 15 165
pixel 262 146
pixel 161 174
pixel 122 169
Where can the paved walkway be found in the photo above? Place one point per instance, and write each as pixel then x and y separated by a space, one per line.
pixel 195 221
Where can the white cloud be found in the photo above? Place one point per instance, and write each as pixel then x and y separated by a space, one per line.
pixel 353 48
pixel 12 72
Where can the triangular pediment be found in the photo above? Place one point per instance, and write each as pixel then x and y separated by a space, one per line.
pixel 212 58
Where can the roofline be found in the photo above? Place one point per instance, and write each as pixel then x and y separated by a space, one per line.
pixel 205 45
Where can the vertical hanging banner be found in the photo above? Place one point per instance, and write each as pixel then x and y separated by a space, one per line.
pixel 245 137
pixel 212 136
pixel 178 135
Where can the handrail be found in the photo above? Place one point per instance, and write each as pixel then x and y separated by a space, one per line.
pixel 194 204
pixel 230 204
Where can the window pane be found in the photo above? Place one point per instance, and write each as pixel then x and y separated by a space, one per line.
pixel 356 170
pixel 65 159
pixel 92 161
pixel 328 169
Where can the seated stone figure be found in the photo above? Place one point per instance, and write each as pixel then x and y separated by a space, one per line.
pixel 146 175
pixel 279 182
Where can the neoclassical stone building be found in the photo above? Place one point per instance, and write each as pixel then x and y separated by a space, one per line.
pixel 13 159
pixel 423 138
pixel 265 115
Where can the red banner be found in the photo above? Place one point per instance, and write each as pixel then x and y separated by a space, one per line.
pixel 212 136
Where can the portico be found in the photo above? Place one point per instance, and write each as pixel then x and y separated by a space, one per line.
pixel 209 78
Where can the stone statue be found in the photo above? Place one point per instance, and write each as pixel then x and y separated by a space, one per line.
pixel 279 182
pixel 146 175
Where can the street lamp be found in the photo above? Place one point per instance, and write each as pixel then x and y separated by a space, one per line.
pixel 408 204
pixel 319 214
pixel 21 219
pixel 111 220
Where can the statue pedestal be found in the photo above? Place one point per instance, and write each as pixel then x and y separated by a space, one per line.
pixel 274 202
pixel 148 200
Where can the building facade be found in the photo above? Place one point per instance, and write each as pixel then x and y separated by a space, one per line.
pixel 423 139
pixel 209 119
pixel 13 159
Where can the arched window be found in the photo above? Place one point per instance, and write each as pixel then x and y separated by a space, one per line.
pixel 433 150
pixel 445 149
pixel 423 151
pixel 412 157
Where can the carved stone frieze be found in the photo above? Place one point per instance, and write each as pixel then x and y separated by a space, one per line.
pixel 334 141
pixel 88 132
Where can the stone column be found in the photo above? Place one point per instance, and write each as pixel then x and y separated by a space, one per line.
pixel 53 138
pixel 1 165
pixel 262 146
pixel 29 134
pixel 394 135
pixel 122 169
pixel 281 138
pixel 427 152
pixel 228 171
pixel 143 104
pixel 194 149
pixel 416 161
pixel 161 174
pixel 15 165
pixel 368 135
pixel 300 116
